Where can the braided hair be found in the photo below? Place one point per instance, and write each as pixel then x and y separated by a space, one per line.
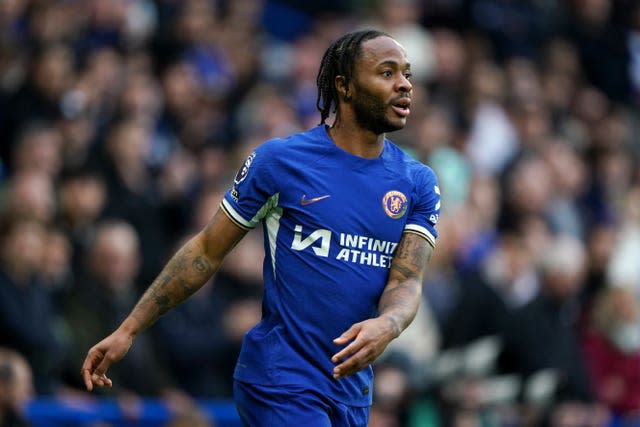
pixel 339 60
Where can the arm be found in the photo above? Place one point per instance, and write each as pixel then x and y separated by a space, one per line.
pixel 190 268
pixel 397 308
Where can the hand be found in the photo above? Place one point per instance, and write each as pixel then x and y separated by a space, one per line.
pixel 368 341
pixel 101 356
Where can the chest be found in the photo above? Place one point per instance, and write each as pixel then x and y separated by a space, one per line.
pixel 368 202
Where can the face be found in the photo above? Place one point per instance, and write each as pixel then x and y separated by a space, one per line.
pixel 381 88
pixel 115 257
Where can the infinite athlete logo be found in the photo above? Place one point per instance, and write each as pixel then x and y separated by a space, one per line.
pixel 394 204
pixel 244 169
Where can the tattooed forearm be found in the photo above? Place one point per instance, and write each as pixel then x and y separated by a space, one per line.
pixel 401 297
pixel 184 274
pixel 412 255
pixel 402 271
pixel 190 268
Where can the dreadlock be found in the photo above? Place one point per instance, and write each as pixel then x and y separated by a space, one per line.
pixel 339 60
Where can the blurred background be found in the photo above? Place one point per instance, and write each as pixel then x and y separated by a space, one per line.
pixel 122 122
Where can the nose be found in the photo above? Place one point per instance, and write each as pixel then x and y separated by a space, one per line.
pixel 404 85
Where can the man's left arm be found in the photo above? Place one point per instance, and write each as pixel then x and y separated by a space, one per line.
pixel 397 307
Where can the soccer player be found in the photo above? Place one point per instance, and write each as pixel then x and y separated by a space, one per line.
pixel 349 227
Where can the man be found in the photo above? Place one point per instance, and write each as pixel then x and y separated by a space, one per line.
pixel 16 388
pixel 27 312
pixel 349 225
pixel 102 298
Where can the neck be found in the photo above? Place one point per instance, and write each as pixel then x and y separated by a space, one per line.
pixel 356 140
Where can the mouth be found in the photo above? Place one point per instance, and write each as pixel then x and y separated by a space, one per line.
pixel 401 106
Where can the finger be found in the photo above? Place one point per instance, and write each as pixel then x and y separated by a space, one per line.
pixel 87 370
pixel 348 335
pixel 97 380
pixel 104 365
pixel 101 380
pixel 108 381
pixel 86 376
pixel 349 350
pixel 354 364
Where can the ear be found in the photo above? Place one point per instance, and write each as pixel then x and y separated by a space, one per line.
pixel 342 86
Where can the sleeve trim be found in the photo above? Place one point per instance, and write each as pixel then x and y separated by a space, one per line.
pixel 234 216
pixel 421 231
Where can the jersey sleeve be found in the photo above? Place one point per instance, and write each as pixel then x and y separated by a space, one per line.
pixel 253 192
pixel 425 211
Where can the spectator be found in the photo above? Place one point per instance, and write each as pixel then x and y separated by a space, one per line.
pixel 446 87
pixel 50 75
pixel 402 19
pixel 527 192
pixel 184 102
pixel 96 88
pixel 561 74
pixel 100 299
pixel 38 149
pixel 298 70
pixel 27 312
pixel 504 282
pixel 140 99
pixel 79 132
pixel 590 28
pixel 570 182
pixel 492 141
pixel 392 393
pixel 621 269
pixel 16 388
pixel 56 269
pixel 600 245
pixel 517 29
pixel 30 195
pixel 543 334
pixel 132 192
pixel 81 200
pixel 612 351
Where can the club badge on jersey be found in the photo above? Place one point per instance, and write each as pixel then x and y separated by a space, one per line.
pixel 395 204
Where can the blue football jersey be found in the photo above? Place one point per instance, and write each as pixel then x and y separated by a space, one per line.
pixel 331 221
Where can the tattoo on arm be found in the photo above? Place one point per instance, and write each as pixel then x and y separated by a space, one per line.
pixel 411 257
pixel 201 265
pixel 184 274
pixel 401 297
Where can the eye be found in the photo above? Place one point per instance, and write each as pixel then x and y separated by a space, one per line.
pixel 387 73
pixel 408 75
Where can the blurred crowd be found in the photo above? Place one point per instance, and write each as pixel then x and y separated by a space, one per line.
pixel 122 122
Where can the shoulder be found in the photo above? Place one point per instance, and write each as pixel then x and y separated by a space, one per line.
pixel 289 149
pixel 403 163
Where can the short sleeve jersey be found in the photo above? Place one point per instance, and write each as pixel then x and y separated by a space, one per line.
pixel 331 222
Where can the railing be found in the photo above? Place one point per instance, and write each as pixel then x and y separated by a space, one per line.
pixel 45 412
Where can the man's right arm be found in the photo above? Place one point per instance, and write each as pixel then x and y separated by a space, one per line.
pixel 187 271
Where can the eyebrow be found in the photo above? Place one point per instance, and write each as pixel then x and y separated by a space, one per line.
pixel 393 63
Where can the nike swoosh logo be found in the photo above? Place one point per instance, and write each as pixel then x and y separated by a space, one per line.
pixel 304 201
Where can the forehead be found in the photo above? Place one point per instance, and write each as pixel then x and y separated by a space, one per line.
pixel 382 49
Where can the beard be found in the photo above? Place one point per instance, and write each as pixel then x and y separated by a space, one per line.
pixel 371 112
